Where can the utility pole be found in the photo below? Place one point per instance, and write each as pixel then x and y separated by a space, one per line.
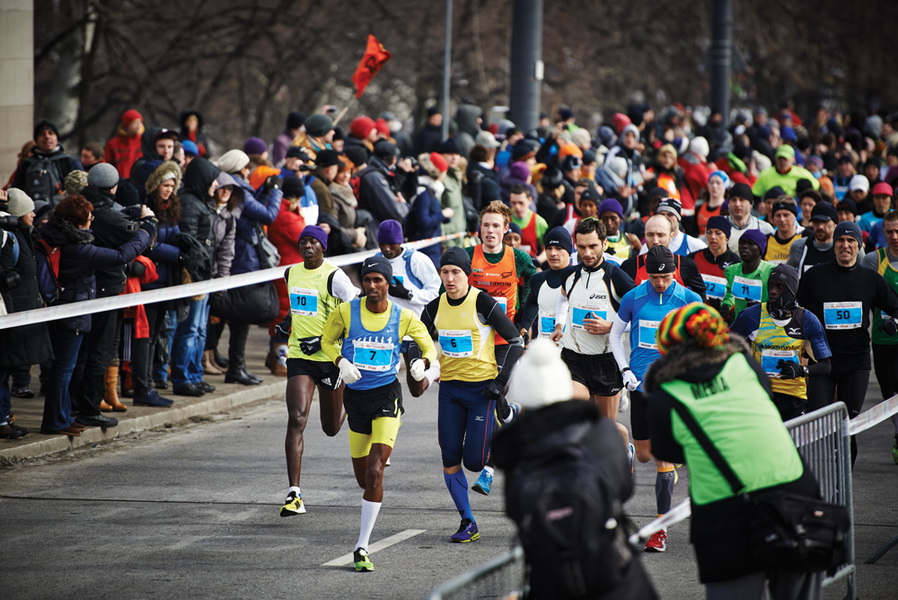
pixel 447 68
pixel 526 62
pixel 721 53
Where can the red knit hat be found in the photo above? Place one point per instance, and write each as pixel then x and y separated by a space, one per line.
pixel 361 127
pixel 130 116
pixel 382 127
pixel 439 162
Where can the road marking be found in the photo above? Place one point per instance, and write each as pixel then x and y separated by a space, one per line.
pixel 346 559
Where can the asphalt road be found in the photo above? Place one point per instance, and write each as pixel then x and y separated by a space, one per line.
pixel 192 511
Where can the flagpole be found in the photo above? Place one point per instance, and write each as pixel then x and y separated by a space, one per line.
pixel 342 113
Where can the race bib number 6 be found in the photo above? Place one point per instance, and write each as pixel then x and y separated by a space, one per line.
pixel 457 343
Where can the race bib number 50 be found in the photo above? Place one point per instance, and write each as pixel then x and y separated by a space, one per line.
pixel 843 315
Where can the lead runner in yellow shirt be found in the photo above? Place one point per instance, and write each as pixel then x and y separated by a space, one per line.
pixel 316 288
pixel 371 331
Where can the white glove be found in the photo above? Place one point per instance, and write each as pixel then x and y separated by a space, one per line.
pixel 349 373
pixel 630 380
pixel 416 369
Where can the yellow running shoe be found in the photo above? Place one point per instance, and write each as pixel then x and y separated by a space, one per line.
pixel 293 506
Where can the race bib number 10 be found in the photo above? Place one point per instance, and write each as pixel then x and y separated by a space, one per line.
pixel 303 302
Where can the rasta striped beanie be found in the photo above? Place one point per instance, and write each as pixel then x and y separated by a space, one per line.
pixel 696 321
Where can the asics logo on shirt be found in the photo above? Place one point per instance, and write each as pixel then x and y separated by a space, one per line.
pixel 598 297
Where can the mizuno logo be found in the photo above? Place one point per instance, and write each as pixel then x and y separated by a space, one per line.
pixel 479 418
pixel 794 331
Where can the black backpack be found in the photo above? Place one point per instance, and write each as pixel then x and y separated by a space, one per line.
pixel 569 518
pixel 43 180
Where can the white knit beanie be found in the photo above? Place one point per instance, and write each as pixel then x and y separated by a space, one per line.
pixel 540 377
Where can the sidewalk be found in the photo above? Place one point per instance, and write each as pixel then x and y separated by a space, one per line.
pixel 141 418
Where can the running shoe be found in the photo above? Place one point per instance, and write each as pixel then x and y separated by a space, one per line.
pixel 484 483
pixel 631 458
pixel 895 450
pixel 658 542
pixel 467 532
pixel 362 561
pixel 293 506
pixel 513 409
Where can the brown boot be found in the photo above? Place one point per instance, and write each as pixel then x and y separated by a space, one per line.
pixel 112 391
pixel 209 366
pixel 105 407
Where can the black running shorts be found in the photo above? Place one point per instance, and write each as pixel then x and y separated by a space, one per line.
pixel 323 373
pixel 598 372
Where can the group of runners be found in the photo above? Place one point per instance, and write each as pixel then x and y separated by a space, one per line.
pixel 601 299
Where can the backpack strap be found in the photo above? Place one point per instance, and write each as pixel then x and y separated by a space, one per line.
pixel 407 255
pixel 710 449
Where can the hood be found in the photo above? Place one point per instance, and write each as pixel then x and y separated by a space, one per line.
pixel 199 176
pixel 37 152
pixel 99 198
pixel 182 118
pixel 466 117
pixel 59 232
pixel 148 144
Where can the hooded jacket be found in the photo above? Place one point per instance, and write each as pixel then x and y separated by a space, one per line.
pixel 197 214
pixel 122 150
pixel 79 259
pixel 147 163
pixel 111 229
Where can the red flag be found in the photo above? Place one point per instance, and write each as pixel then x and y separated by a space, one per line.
pixel 374 59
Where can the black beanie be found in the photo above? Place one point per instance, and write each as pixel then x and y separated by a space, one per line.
pixel 659 260
pixel 378 264
pixel 559 237
pixel 456 257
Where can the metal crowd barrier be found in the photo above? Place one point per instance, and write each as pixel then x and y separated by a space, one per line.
pixel 823 440
pixel 502 578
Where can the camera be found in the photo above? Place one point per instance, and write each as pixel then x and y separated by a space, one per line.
pixel 8 222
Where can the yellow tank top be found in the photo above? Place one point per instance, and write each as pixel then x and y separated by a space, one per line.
pixel 310 305
pixel 771 344
pixel 777 252
pixel 621 247
pixel 467 351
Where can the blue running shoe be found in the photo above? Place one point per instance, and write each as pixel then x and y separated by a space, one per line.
pixel 467 532
pixel 484 483
pixel 631 458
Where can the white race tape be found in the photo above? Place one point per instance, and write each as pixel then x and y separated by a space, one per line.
pixel 678 513
pixel 874 416
pixel 75 309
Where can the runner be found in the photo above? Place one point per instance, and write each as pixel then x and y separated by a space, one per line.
pixel 545 287
pixel 368 361
pixel 533 227
pixel 885 343
pixel 817 248
pixel 680 243
pixel 641 309
pixel 658 231
pixel 465 320
pixel 316 288
pixel 620 243
pixel 784 215
pixel 504 273
pixel 585 311
pixel 780 333
pixel 712 260
pixel 842 295
pixel 739 204
pixel 747 281
pixel 415 283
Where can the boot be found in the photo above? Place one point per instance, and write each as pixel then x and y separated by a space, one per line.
pixel 237 373
pixel 111 399
pixel 209 366
pixel 220 360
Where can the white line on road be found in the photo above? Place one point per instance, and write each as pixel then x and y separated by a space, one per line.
pixel 346 559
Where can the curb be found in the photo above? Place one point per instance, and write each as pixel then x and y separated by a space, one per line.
pixel 96 435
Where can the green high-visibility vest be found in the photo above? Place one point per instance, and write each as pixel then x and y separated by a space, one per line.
pixel 738 416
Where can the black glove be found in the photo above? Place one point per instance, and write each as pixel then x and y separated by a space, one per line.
pixel 9 280
pixel 149 225
pixel 790 370
pixel 272 183
pixel 889 327
pixel 493 390
pixel 282 329
pixel 399 291
pixel 135 268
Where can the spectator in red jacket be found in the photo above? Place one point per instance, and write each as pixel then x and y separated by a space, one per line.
pixel 123 149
